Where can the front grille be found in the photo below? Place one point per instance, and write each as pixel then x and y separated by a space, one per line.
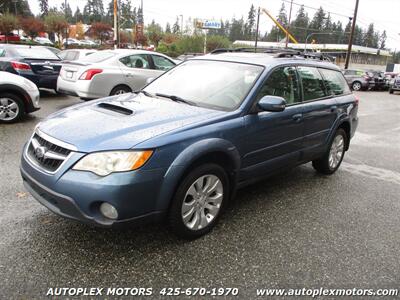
pixel 45 154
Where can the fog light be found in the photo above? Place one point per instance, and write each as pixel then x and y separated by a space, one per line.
pixel 108 211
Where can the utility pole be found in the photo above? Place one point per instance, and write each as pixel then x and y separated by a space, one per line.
pixel 288 26
pixel 115 24
pixel 181 24
pixel 257 28
pixel 66 29
pixel 348 56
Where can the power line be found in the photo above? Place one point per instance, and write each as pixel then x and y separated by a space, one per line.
pixel 316 8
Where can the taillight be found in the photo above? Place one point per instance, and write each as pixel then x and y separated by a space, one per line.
pixel 88 75
pixel 18 66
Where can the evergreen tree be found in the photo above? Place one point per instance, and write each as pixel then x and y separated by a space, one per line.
pixel 276 34
pixel 299 25
pixel 67 12
pixel 318 21
pixel 44 7
pixel 93 11
pixel 21 7
pixel 236 30
pixel 382 40
pixel 176 28
pixel 369 36
pixel 168 28
pixel 78 17
pixel 250 23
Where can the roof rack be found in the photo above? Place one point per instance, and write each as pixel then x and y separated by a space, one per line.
pixel 280 52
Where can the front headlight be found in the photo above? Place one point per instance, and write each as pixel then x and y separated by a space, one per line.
pixel 105 163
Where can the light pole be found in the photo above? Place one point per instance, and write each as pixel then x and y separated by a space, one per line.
pixel 181 24
pixel 315 33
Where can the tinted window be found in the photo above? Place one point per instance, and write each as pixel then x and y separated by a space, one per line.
pixel 2 52
pixel 313 86
pixel 99 56
pixel 139 61
pixel 350 72
pixel 161 63
pixel 36 53
pixel 335 82
pixel 283 82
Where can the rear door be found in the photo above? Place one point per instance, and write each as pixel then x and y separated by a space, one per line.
pixel 137 69
pixel 319 109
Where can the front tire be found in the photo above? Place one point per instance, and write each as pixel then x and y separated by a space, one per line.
pixel 391 91
pixel 198 201
pixel 11 108
pixel 330 162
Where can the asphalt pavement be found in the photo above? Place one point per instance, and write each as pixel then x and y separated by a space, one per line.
pixel 298 229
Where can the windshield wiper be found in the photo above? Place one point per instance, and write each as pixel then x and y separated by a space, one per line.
pixel 176 99
pixel 145 93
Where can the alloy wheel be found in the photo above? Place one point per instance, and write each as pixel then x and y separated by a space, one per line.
pixel 336 152
pixel 202 202
pixel 9 109
pixel 356 86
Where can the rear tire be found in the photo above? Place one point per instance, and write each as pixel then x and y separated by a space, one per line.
pixel 120 89
pixel 356 86
pixel 330 162
pixel 391 91
pixel 198 201
pixel 11 108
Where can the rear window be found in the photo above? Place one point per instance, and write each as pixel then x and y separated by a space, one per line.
pixel 98 56
pixel 36 53
pixel 313 86
pixel 335 82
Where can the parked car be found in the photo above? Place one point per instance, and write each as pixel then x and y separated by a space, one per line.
pixel 359 80
pixel 35 63
pixel 111 72
pixel 9 37
pixel 43 41
pixel 75 54
pixel 381 82
pixel 18 96
pixel 89 43
pixel 178 149
pixel 395 85
pixel 71 42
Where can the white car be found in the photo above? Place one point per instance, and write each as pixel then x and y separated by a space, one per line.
pixel 43 41
pixel 111 72
pixel 75 54
pixel 18 96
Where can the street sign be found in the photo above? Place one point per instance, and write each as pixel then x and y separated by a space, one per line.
pixel 208 24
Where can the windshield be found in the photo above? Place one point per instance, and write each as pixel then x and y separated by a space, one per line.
pixel 36 53
pixel 98 56
pixel 213 84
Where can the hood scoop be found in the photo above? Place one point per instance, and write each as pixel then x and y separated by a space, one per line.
pixel 116 108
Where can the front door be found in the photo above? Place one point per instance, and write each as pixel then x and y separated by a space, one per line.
pixel 274 139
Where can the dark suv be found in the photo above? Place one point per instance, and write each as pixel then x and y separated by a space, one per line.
pixel 178 149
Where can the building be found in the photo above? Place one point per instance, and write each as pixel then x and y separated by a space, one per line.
pixel 361 57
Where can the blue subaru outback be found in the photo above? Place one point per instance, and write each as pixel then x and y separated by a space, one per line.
pixel 178 149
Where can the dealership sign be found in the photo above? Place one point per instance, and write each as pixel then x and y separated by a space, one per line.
pixel 208 24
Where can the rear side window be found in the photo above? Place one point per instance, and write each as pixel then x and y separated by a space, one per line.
pixel 335 82
pixel 313 86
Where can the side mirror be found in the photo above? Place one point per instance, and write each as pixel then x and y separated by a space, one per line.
pixel 272 103
pixel 149 80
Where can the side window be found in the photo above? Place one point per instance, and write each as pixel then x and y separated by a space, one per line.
pixel 138 61
pixel 161 63
pixel 283 82
pixel 2 52
pixel 313 86
pixel 335 82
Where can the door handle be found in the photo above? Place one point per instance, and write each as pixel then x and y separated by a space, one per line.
pixel 333 108
pixel 297 117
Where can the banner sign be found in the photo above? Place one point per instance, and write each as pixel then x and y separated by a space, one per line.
pixel 208 24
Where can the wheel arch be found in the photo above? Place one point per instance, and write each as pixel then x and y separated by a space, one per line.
pixel 8 88
pixel 120 85
pixel 213 150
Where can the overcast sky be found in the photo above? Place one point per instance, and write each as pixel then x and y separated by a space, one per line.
pixel 383 13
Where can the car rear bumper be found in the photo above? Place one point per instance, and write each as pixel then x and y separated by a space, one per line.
pixel 43 81
pixel 79 88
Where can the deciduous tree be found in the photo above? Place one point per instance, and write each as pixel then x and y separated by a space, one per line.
pixel 32 26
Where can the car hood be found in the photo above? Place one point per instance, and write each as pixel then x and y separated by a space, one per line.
pixel 120 122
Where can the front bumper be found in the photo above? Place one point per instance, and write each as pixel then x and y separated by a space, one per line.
pixel 77 195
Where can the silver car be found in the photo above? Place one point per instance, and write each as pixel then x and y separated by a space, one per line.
pixel 111 72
